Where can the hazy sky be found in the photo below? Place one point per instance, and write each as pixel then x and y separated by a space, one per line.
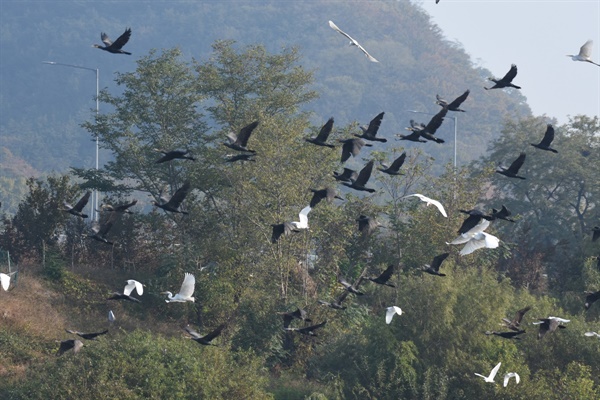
pixel 535 35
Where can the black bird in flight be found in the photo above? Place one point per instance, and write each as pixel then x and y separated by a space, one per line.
pixel 121 208
pixel 474 217
pixel 384 277
pixel 114 47
pixel 321 138
pixel 394 169
pixel 591 298
pixel 515 323
pixel 239 142
pixel 336 305
pixel 99 232
pixel 175 201
pixel 415 136
pixel 506 81
pixel 350 288
pixel 453 106
pixel 427 131
pixel 347 175
pixel 319 194
pixel 362 179
pixel 352 147
pixel 69 344
pixel 547 140
pixel 204 340
pixel 507 335
pixel 504 214
pixel 366 225
pixel 87 336
pixel 309 330
pixel 370 132
pixel 288 317
pixel 513 170
pixel 434 268
pixel 173 154
pixel 78 208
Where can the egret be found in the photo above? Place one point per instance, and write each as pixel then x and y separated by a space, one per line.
pixel 186 291
pixel 67 345
pixel 490 378
pixel 87 336
pixel 352 147
pixel 4 281
pixel 362 179
pixel 476 239
pixel 547 140
pixel 114 47
pixel 77 208
pixel 370 132
pixel 513 170
pixel 111 317
pixel 429 202
pixel 515 323
pixel 390 312
pixel 585 53
pixel 394 169
pixel 590 334
pixel 175 201
pixel 506 81
pixel 286 228
pixel 239 142
pixel 204 340
pixel 327 193
pixel 309 330
pixel 384 277
pixel 173 154
pixel 434 268
pixel 122 208
pixel 453 106
pixel 511 375
pixel 321 138
pixel 352 41
pixel 126 295
pixel 591 298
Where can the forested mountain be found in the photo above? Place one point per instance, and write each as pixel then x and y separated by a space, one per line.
pixel 294 299
pixel 42 106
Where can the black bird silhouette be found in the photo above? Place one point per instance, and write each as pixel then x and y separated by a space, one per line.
pixel 370 132
pixel 309 330
pixel 123 296
pixel 321 138
pixel 288 317
pixel 504 214
pixel 239 142
pixel 347 175
pixel 350 288
pixel 175 201
pixel 453 106
pixel 173 154
pixel 475 216
pixel 77 208
pixel 384 277
pixel 507 335
pixel 506 81
pixel 240 157
pixel 121 208
pixel 547 140
pixel 285 229
pixel 87 336
pixel 548 325
pixel 591 298
pixel 515 323
pixel 319 194
pixel 513 170
pixel 415 136
pixel 362 179
pixel 336 305
pixel 204 340
pixel 394 169
pixel 428 131
pixel 67 345
pixel 366 225
pixel 434 268
pixel 595 233
pixel 352 147
pixel 114 47
pixel 99 232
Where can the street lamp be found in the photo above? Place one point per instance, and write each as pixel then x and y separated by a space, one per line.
pixel 93 213
pixel 455 129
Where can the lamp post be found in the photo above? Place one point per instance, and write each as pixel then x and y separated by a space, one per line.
pixel 455 130
pixel 94 202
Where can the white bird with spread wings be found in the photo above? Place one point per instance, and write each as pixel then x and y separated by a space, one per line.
pixel 353 42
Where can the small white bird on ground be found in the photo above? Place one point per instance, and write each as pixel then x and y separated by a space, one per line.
pixel 390 312
pixel 490 378
pixel 186 291
pixel 585 53
pixel 476 238
pixel 510 375
pixel 430 202
pixel 5 281
pixel 352 41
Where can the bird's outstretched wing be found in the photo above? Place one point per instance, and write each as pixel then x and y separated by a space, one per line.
pixel 325 130
pixel 459 100
pixel 517 164
pixel 365 174
pixel 494 371
pixel 354 42
pixel 105 39
pixel 548 136
pixel 214 333
pixel 586 50
pixel 179 195
pixel 132 284
pixel 82 202
pixel 438 260
pixel 245 132
pixel 187 287
pixel 121 40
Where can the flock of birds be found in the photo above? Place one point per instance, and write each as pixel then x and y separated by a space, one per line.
pixel 471 233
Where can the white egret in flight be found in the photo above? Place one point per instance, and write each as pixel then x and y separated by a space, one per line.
pixel 390 312
pixel 352 41
pixel 585 53
pixel 510 375
pixel 186 291
pixel 490 378
pixel 429 202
